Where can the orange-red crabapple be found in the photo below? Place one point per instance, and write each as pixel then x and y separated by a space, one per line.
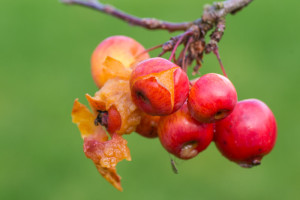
pixel 115 57
pixel 158 86
pixel 247 134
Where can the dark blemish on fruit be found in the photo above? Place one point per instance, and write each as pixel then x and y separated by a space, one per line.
pixel 102 118
pixel 260 150
pixel 140 95
pixel 224 142
pixel 218 113
pixel 191 143
pixel 221 114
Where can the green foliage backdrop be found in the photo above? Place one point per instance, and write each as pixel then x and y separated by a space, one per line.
pixel 45 50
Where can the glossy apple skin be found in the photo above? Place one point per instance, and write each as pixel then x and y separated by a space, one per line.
pixel 110 119
pixel 148 126
pixel 121 48
pixel 212 98
pixel 183 136
pixel 114 120
pixel 247 134
pixel 158 86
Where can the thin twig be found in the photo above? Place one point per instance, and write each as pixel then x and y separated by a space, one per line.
pixel 162 53
pixel 174 58
pixel 170 45
pixel 177 44
pixel 149 23
pixel 148 50
pixel 216 52
pixel 183 65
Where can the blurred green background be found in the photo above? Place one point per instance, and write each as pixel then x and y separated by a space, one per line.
pixel 45 50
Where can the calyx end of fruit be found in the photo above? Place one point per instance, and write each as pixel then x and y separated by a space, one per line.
pixel 189 150
pixel 252 163
pixel 221 114
pixel 102 118
pixel 141 96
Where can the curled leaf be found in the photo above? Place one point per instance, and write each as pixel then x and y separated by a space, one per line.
pixel 103 152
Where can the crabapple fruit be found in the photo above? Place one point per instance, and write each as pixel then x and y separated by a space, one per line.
pixel 212 98
pixel 158 86
pixel 148 126
pixel 182 135
pixel 247 134
pixel 114 57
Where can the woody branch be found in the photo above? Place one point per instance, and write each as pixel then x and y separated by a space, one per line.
pixel 213 18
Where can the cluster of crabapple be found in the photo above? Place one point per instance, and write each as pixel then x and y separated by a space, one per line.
pixel 188 115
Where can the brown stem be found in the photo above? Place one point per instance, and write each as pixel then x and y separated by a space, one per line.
pixel 162 53
pixel 216 36
pixel 174 58
pixel 180 57
pixel 216 52
pixel 183 65
pixel 170 45
pixel 198 65
pixel 148 50
pixel 221 9
pixel 180 39
pixel 149 23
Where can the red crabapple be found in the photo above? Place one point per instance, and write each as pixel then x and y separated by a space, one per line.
pixel 212 98
pixel 247 134
pixel 182 135
pixel 158 86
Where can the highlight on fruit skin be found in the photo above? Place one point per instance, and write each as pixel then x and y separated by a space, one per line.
pixel 158 86
pixel 212 97
pixel 115 57
pixel 183 136
pixel 247 134
pixel 103 152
